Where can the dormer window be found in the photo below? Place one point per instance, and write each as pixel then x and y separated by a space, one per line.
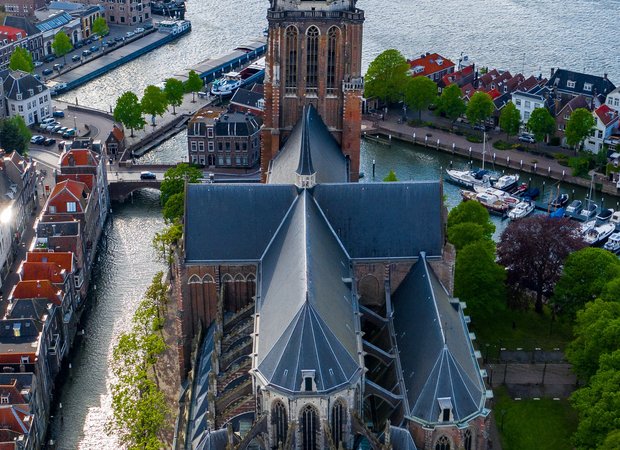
pixel 18 96
pixel 31 92
pixel 445 408
pixel 308 384
pixel 4 399
pixel 587 87
pixel 570 84
pixel 40 88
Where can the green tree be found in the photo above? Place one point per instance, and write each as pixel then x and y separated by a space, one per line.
pixel 597 332
pixel 578 127
pixel 478 279
pixel 541 123
pixel 611 289
pixel 157 293
pixel 174 180
pixel 612 441
pixel 450 103
pixel 479 108
pixel 174 208
pixel 128 111
pixel 100 27
pixel 391 176
pixel 21 59
pixel 193 84
pixel 165 242
pixel 386 76
pixel 472 212
pixel 420 92
pixel 598 405
pixel 15 135
pixel 463 234
pixel 154 102
pixel 585 274
pixel 510 119
pixel 174 91
pixel 62 45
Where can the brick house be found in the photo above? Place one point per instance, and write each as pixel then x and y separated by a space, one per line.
pixel 22 414
pixel 568 84
pixel 115 142
pixel 126 12
pixel 22 7
pixel 563 112
pixel 248 100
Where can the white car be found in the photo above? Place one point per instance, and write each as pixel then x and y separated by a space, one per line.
pixel 38 63
pixel 48 120
pixel 139 30
pixel 130 34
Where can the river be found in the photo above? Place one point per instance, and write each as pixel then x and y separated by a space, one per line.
pixel 520 35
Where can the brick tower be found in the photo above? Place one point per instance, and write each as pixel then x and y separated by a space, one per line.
pixel 314 57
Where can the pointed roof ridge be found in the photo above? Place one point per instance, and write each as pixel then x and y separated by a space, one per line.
pixel 305 155
pixel 428 278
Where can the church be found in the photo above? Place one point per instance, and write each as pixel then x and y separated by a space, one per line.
pixel 315 311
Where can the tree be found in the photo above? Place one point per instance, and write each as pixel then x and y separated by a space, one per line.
pixel 586 272
pixel 166 241
pixel 174 208
pixel 510 119
pixel 174 91
pixel 598 405
pixel 174 180
pixel 21 59
pixel 62 45
pixel 533 251
pixel 128 111
pixel 472 212
pixel 15 135
pixel 420 92
pixel 597 332
pixel 479 108
pixel 541 123
pixel 154 102
pixel 450 103
pixel 612 441
pixel 100 27
pixel 390 176
pixel 478 279
pixel 386 76
pixel 578 127
pixel 463 234
pixel 193 84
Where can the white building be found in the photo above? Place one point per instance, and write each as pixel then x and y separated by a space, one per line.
pixel 606 120
pixel 613 99
pixel 26 96
pixel 526 103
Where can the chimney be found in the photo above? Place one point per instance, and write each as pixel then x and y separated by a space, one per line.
pixel 604 76
pixel 552 71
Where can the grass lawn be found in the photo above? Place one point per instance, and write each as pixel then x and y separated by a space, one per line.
pixel 530 330
pixel 541 424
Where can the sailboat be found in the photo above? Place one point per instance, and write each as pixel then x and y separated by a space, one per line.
pixel 590 208
pixel 471 178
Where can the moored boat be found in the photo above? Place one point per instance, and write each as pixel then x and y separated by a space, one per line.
pixel 491 202
pixel 589 210
pixel 574 207
pixel 613 243
pixel 502 195
pixel 598 234
pixel 559 201
pixel 231 81
pixel 604 215
pixel 470 178
pixel 506 182
pixel 521 210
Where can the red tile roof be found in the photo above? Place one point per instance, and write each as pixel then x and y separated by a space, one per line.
pixel 118 133
pixel 37 289
pixel 86 178
pixel 455 77
pixel 78 157
pixel 42 271
pixel 431 63
pixel 606 115
pixel 62 259
pixel 494 93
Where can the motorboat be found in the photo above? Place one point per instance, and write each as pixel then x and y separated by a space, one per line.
pixel 560 201
pixel 491 202
pixel 613 243
pixel 520 190
pixel 231 81
pixel 470 178
pixel 586 226
pixel 521 210
pixel 502 195
pixel 589 210
pixel 604 215
pixel 506 182
pixel 615 219
pixel 574 207
pixel 598 234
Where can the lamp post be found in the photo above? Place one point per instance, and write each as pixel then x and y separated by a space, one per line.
pixel 75 123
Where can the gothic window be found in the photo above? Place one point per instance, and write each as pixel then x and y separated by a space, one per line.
pixel 239 277
pixel 227 278
pixel 338 422
pixel 251 278
pixel 442 443
pixel 312 58
pixel 291 57
pixel 467 440
pixel 279 421
pixel 309 428
pixel 208 279
pixel 332 45
pixel 194 279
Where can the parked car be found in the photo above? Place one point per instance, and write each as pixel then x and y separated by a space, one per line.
pixel 47 71
pixel 88 41
pixel 147 176
pixel 75 58
pixel 49 58
pixel 481 127
pixel 139 30
pixel 58 114
pixel 526 137
pixel 49 141
pixel 38 63
pixel 49 126
pixel 130 34
pixel 55 128
pixel 148 26
pixel 61 130
pixel 94 49
pixel 37 139
pixel 85 53
pixel 111 43
pixel 118 38
pixel 47 121
pixel 71 132
pixel 58 66
pixel 78 44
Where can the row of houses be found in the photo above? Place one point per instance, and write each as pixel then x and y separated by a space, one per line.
pixel 44 306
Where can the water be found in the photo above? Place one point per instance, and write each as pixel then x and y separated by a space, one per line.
pixel 521 35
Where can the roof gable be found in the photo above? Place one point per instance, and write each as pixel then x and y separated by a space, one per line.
pixel 37 289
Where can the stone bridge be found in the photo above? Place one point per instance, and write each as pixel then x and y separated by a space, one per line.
pixel 120 190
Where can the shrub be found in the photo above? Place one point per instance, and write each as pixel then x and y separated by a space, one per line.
pixel 474 139
pixel 502 145
pixel 580 166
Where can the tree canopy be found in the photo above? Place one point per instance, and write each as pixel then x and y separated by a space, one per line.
pixel 166 240
pixel 541 123
pixel 533 251
pixel 174 91
pixel 15 135
pixel 100 27
pixel 128 111
pixel 391 176
pixel 386 76
pixel 450 103
pixel 463 234
pixel 174 208
pixel 193 84
pixel 21 59
pixel 578 127
pixel 472 212
pixel 62 45
pixel 510 119
pixel 585 274
pixel 154 102
pixel 480 107
pixel 174 180
pixel 420 92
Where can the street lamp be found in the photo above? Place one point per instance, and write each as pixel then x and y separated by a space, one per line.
pixel 75 123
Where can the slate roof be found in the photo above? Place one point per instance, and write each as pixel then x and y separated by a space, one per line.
pixel 237 124
pixel 21 23
pixel 198 433
pixel 400 439
pixel 244 97
pixel 304 166
pixel 561 77
pixel 437 358
pixel 18 82
pixel 327 158
pixel 307 319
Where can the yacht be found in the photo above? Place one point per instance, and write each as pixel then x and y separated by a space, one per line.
pixel 615 219
pixel 589 210
pixel 470 178
pixel 522 210
pixel 506 182
pixel 574 207
pixel 491 202
pixel 502 195
pixel 613 243
pixel 604 215
pixel 598 234
pixel 231 81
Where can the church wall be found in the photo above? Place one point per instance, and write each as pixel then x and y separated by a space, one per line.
pixel 427 438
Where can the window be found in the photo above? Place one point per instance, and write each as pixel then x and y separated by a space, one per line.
pixel 467 440
pixel 237 161
pixel 312 58
pixel 228 161
pixel 617 101
pixel 570 84
pixel 526 116
pixel 192 146
pixel 4 399
pixel 210 132
pixel 338 422
pixel 210 146
pixel 25 360
pixel 527 103
pixel 201 146
pixel 219 146
pixel 587 87
pixel 442 443
pixel 310 428
pixel 291 57
pixel 19 96
pixel 227 146
pixel 332 45
pixel 220 161
pixel 20 108
pixel 52 209
pixel 536 105
pixel 279 423
pixel 71 207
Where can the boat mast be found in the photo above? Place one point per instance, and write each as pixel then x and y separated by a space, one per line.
pixel 484 147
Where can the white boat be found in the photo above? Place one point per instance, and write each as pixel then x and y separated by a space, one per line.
pixel 597 235
pixel 613 243
pixel 502 195
pixel 522 210
pixel 615 219
pixel 491 202
pixel 470 178
pixel 586 226
pixel 506 182
pixel 174 27
pixel 231 81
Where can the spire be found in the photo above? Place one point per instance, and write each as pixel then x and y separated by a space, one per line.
pixel 306 175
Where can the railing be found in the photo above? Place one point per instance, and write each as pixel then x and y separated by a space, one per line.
pixel 357 15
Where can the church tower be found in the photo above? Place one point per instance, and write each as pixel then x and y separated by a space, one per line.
pixel 314 57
